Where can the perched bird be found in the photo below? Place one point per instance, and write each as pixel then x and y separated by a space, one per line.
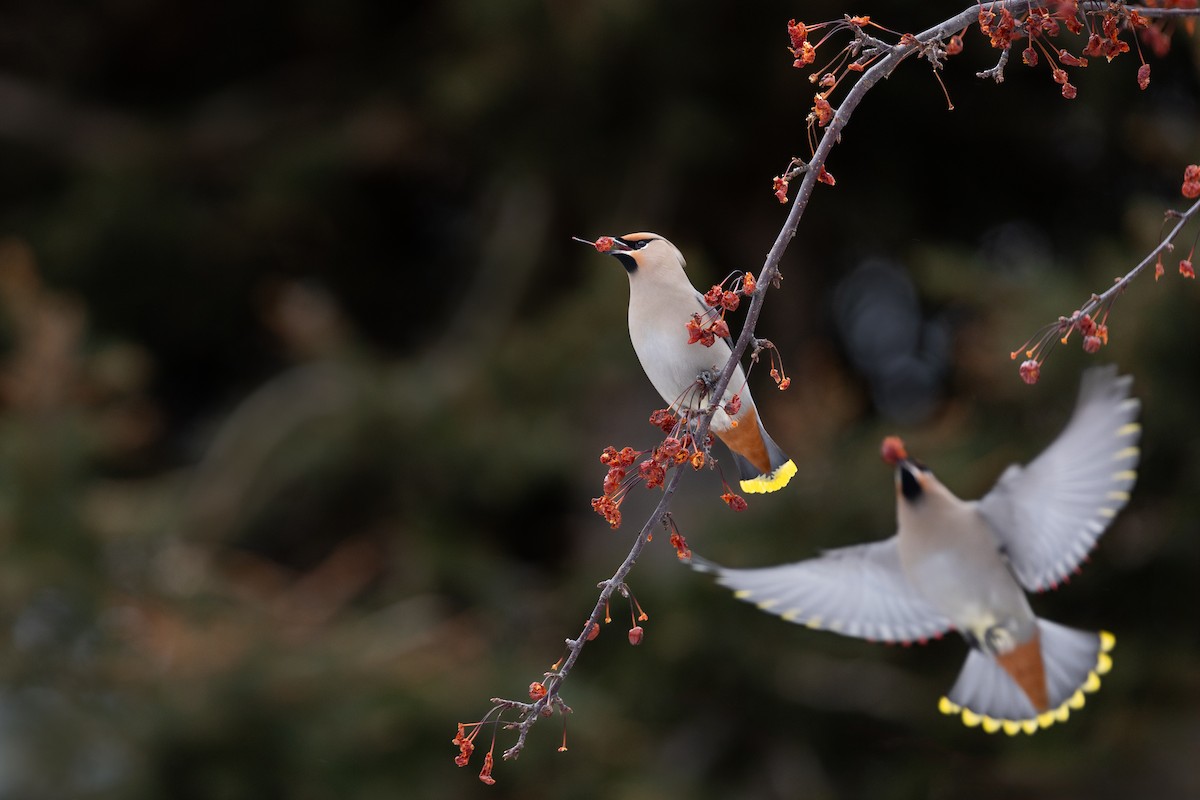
pixel 661 303
pixel 965 565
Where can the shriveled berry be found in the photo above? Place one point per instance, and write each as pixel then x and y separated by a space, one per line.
pixel 1031 370
pixel 892 450
pixel 735 501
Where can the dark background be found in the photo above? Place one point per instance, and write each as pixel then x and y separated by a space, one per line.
pixel 303 386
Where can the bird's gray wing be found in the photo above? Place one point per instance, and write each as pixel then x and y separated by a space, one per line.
pixel 856 591
pixel 1049 514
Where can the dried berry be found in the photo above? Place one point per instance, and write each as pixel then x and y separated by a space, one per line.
pixel 609 509
pixel 892 450
pixel 669 448
pixel 735 501
pixel 664 420
pixel 1191 181
pixel 798 33
pixel 652 473
pixel 822 110
pixel 780 187
pixel 695 329
pixel 485 774
pixel 681 547
pixel 1030 370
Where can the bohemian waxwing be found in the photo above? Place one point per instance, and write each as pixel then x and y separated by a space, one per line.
pixel 964 565
pixel 661 302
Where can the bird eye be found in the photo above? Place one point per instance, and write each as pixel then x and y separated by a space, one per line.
pixel 636 244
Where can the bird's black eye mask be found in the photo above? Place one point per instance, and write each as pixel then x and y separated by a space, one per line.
pixel 627 260
pixel 910 487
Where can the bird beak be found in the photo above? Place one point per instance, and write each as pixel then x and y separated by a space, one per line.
pixel 605 244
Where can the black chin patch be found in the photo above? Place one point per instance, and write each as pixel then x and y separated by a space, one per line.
pixel 910 487
pixel 627 261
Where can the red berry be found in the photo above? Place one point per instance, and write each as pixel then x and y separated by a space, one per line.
pixel 893 450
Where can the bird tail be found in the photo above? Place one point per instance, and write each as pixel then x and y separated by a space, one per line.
pixel 756 481
pixel 987 692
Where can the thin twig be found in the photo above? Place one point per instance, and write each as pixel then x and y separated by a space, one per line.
pixel 1165 245
pixel 531 712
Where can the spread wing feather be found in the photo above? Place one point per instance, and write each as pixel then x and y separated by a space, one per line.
pixel 1049 514
pixel 857 591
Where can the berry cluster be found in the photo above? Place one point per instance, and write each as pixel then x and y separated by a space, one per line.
pixel 709 325
pixel 672 451
pixel 1093 330
pixel 1104 32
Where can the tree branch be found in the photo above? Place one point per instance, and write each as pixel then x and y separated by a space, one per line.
pixel 883 60
pixel 1164 246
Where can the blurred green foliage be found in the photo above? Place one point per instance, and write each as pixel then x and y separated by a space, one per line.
pixel 303 384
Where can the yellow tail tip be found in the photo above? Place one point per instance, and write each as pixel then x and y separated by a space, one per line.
pixel 771 482
pixel 1043 719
